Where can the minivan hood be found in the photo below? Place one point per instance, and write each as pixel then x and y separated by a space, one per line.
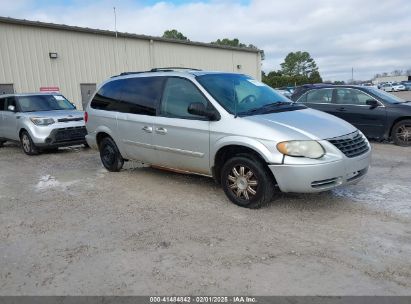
pixel 309 122
pixel 56 113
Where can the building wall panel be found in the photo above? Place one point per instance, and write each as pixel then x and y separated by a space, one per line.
pixel 91 58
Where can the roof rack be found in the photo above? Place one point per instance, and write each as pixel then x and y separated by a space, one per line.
pixel 166 69
pixel 172 69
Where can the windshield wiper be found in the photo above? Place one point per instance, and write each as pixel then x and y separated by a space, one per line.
pixel 266 107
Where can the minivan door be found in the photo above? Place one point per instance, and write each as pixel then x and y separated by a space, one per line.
pixel 181 139
pixel 139 100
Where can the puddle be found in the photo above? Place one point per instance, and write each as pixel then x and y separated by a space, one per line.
pixel 390 197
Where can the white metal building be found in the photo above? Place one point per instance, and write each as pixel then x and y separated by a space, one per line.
pixel 38 56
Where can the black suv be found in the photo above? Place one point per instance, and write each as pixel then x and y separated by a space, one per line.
pixel 377 114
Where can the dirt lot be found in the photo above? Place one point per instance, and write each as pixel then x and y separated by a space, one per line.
pixel 67 226
pixel 406 95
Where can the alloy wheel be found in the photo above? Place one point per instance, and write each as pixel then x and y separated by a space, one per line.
pixel 26 143
pixel 404 133
pixel 242 182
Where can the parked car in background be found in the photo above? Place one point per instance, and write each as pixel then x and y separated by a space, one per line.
pixel 284 93
pixel 407 85
pixel 377 114
pixel 393 87
pixel 40 121
pixel 251 139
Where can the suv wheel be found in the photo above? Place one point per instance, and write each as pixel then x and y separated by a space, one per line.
pixel 110 155
pixel 27 144
pixel 2 142
pixel 247 182
pixel 401 133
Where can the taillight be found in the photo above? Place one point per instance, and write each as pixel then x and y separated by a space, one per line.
pixel 85 117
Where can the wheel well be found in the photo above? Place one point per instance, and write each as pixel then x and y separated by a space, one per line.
pixel 100 136
pixel 397 121
pixel 21 132
pixel 228 152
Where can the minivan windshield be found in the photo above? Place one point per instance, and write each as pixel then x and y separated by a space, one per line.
pixel 35 103
pixel 242 95
pixel 387 97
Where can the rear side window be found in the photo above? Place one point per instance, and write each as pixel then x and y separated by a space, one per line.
pixel 317 96
pixel 132 95
pixel 2 104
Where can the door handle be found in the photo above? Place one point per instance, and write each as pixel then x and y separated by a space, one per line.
pixel 161 131
pixel 148 129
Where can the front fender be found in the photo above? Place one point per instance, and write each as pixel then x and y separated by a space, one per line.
pixel 266 149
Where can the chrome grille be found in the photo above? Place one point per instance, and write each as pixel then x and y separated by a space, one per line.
pixel 352 145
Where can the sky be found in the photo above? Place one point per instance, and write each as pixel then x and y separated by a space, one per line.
pixel 367 35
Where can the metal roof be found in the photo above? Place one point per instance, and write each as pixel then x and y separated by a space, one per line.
pixel 119 34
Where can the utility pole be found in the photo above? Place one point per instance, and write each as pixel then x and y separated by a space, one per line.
pixel 115 20
pixel 352 75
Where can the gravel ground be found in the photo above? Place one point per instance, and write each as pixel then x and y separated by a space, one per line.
pixel 69 227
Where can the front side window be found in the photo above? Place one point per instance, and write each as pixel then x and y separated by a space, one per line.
pixel 178 94
pixel 385 96
pixel 317 96
pixel 36 103
pixel 240 94
pixel 351 97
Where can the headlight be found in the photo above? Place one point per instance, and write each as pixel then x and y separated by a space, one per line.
pixel 301 148
pixel 42 121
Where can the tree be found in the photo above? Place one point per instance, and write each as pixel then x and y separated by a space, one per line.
pixel 230 42
pixel 315 77
pixel 174 34
pixel 299 63
pixel 397 73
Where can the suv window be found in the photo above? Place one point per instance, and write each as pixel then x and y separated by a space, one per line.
pixel 317 96
pixel 2 104
pixel 350 96
pixel 178 94
pixel 10 101
pixel 139 95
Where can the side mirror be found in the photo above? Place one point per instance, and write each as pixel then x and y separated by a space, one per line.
pixel 198 108
pixel 11 108
pixel 372 103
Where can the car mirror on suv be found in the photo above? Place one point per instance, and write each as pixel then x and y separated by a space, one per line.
pixel 198 108
pixel 372 103
pixel 11 108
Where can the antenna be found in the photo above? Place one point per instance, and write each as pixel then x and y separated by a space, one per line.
pixel 115 20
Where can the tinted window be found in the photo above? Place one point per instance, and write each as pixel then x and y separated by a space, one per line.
pixel 2 104
pixel 132 95
pixel 350 96
pixel 317 96
pixel 141 95
pixel 44 103
pixel 108 97
pixel 178 95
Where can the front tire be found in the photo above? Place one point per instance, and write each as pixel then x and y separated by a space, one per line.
pixel 401 133
pixel 247 182
pixel 27 144
pixel 110 155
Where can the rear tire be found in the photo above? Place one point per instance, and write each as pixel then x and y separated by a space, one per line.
pixel 27 144
pixel 110 155
pixel 401 133
pixel 247 182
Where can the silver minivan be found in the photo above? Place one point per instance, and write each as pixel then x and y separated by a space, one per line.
pixel 251 139
pixel 40 121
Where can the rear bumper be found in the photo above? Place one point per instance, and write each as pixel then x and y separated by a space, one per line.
pixel 321 177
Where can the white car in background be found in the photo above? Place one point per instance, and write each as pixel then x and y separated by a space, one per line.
pixel 393 87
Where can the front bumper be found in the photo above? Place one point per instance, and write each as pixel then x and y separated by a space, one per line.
pixel 321 177
pixel 60 137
